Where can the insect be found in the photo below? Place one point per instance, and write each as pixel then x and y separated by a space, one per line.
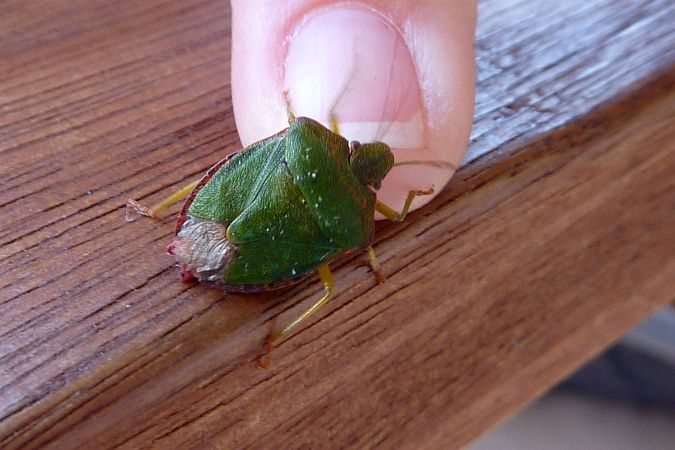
pixel 282 209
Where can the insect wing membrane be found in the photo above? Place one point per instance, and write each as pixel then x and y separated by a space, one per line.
pixel 318 160
pixel 277 236
pixel 228 191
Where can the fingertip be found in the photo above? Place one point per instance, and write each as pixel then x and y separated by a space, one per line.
pixel 259 30
pixel 389 71
pixel 351 62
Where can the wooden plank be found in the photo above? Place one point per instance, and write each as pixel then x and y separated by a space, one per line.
pixel 553 239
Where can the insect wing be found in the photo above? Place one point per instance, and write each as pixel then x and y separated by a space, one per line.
pixel 277 235
pixel 227 192
pixel 318 160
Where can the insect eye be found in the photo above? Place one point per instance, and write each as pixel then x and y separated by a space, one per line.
pixel 377 185
pixel 353 146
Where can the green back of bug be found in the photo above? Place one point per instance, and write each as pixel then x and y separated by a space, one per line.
pixel 288 203
pixel 318 160
pixel 237 182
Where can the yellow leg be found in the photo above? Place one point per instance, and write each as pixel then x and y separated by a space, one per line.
pixel 133 205
pixel 328 282
pixel 394 216
pixel 334 126
pixel 331 113
pixel 327 279
pixel 291 117
pixel 289 111
pixel 375 265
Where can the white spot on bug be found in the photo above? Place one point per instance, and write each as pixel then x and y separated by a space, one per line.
pixel 267 230
pixel 293 272
pixel 313 175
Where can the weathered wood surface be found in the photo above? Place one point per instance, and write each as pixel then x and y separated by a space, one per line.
pixel 554 239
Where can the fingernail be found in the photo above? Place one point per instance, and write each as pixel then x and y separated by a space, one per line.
pixel 351 60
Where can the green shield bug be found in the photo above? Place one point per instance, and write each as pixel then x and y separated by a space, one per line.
pixel 282 209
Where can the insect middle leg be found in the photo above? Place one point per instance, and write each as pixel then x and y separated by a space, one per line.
pixel 133 205
pixel 391 213
pixel 375 265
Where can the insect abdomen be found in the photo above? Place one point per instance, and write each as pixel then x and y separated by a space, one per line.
pixel 204 250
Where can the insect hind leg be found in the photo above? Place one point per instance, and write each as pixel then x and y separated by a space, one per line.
pixel 133 205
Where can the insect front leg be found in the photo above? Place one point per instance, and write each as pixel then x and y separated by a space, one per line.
pixel 133 205
pixel 289 110
pixel 334 126
pixel 394 216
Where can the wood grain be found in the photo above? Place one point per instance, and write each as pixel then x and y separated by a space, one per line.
pixel 554 238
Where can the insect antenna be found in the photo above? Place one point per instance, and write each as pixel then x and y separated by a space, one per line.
pixel 432 163
pixel 332 117
pixel 381 132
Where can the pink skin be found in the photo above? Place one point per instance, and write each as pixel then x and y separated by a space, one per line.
pixel 392 70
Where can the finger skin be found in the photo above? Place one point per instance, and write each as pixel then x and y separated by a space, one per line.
pixel 439 36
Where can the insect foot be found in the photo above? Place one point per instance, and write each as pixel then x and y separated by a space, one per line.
pixel 375 266
pixel 264 358
pixel 379 276
pixel 134 208
pixel 428 191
